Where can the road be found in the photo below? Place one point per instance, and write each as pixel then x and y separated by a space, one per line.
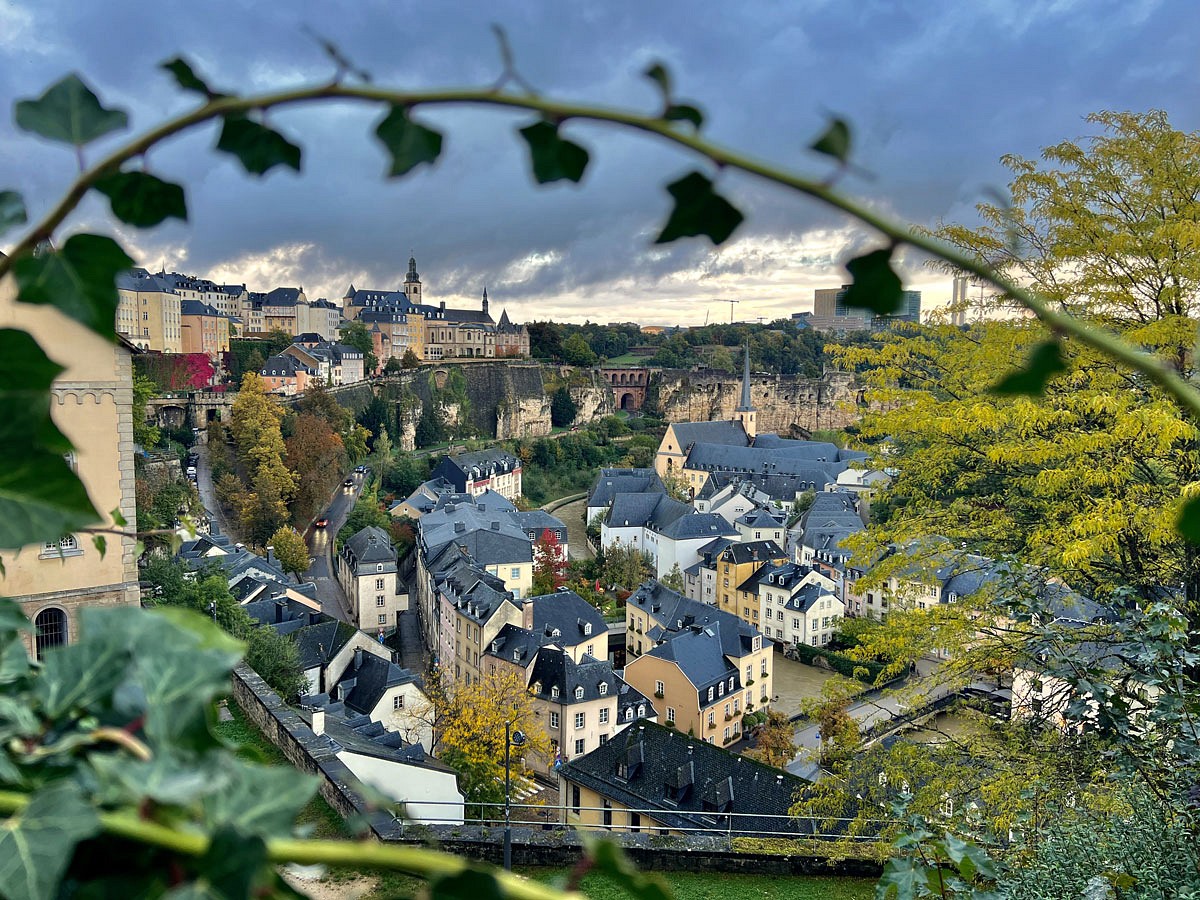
pixel 571 515
pixel 208 493
pixel 321 545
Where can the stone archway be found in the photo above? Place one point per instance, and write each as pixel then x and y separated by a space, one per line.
pixel 628 401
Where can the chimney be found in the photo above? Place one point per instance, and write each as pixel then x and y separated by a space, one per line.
pixel 270 554
pixel 358 657
pixel 318 721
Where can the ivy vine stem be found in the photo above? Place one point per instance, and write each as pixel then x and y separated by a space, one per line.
pixel 896 231
pixel 428 864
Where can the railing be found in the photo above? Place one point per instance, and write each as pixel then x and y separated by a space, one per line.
pixel 683 824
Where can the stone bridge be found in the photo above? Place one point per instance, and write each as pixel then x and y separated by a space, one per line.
pixel 194 408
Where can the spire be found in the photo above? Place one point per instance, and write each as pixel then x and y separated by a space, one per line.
pixel 412 271
pixel 485 309
pixel 349 291
pixel 745 404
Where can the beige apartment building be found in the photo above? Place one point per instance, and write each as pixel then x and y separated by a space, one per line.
pixel 204 329
pixel 92 403
pixel 149 312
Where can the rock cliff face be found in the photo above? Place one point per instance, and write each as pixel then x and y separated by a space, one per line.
pixel 786 404
pixel 512 400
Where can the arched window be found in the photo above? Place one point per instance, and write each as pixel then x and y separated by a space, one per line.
pixel 51 625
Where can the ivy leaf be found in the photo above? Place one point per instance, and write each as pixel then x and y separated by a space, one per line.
pixel 165 778
pixel 100 543
pixel 1188 522
pixel 69 113
pixel 608 858
pixel 142 200
pixel 12 617
pixel 259 148
pixel 41 499
pixel 875 285
pixel 37 844
pixel 970 859
pixel 85 675
pixel 26 375
pixel 262 800
pixel 80 279
pixel 698 210
pixel 469 884
pixel 410 143
pixel 684 112
pixel 186 77
pixel 834 141
pixel 12 211
pixel 553 158
pixel 1044 363
pixel 659 75
pixel 233 862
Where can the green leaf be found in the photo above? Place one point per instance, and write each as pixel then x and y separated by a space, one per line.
pixel 100 543
pixel 469 884
pixel 875 285
pixel 12 211
pixel 37 844
pixel 1044 363
pixel 553 158
pixel 164 779
pixel 26 375
pixel 659 75
pixel 834 140
pixel 259 148
pixel 41 500
pixel 86 674
pixel 903 878
pixel 233 862
pixel 971 860
pixel 12 617
pixel 410 143
pixel 698 210
pixel 1188 522
pixel 80 280
pixel 262 800
pixel 186 77
pixel 142 200
pixel 684 112
pixel 69 113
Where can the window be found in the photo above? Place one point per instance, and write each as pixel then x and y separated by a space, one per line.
pixel 641 709
pixel 670 714
pixel 590 650
pixel 398 702
pixel 812 624
pixel 579 692
pixel 737 705
pixel 575 798
pixel 796 624
pixel 629 714
pixel 764 668
pixel 383 619
pixel 66 546
pixel 727 733
pixel 51 626
pixel 380 600
pixel 554 692
pixel 579 747
pixel 731 682
pixel 710 694
pixel 720 689
pixel 553 719
pixel 712 719
pixel 749 673
pixel 379 584
pixel 603 738
pixel 579 720
pixel 604 716
pixel 516 572
pixel 727 715
pixel 659 689
pixel 603 688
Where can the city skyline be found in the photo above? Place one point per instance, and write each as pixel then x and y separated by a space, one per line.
pixel 931 118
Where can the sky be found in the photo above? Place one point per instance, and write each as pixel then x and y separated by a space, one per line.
pixel 936 91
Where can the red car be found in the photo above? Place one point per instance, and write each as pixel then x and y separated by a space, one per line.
pixel 321 522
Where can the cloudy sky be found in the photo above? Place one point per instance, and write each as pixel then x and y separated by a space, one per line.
pixel 937 91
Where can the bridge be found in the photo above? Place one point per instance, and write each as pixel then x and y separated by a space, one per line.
pixel 192 408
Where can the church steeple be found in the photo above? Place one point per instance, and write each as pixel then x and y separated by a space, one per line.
pixel 412 282
pixel 485 310
pixel 745 412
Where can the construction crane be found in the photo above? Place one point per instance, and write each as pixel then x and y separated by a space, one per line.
pixel 730 302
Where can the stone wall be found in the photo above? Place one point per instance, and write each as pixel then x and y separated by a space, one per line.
pixel 787 404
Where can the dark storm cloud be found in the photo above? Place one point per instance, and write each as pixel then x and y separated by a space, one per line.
pixel 937 91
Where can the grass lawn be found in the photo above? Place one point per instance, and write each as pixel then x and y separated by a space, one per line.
pixel 253 745
pixel 721 886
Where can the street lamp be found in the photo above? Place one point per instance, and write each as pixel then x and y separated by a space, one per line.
pixel 511 739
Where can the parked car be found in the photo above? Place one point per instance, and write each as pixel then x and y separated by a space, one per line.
pixel 191 472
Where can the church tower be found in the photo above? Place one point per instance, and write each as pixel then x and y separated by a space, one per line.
pixel 745 412
pixel 485 311
pixel 412 282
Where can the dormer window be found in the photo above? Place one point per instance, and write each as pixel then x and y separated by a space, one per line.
pixel 641 709
pixel 603 688
pixel 710 693
pixel 629 714
pixel 554 692
pixel 579 693
pixel 555 633
pixel 587 628
pixel 537 687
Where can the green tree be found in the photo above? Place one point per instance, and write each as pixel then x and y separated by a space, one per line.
pixel 674 579
pixel 290 550
pixel 773 741
pixel 354 334
pixel 394 366
pixel 144 433
pixel 381 459
pixel 431 427
pixel 626 566
pixel 562 408
pixel 576 352
pixel 409 360
pixel 276 658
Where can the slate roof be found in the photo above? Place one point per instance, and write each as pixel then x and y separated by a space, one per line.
pixel 282 296
pixel 689 784
pixel 196 308
pixel 536 521
pixel 699 654
pixel 697 525
pixel 490 539
pixel 722 432
pixel 675 614
pixel 487 461
pixel 139 279
pixel 554 668
pixel 514 643
pixel 568 614
pixel 611 482
pixel 283 367
pixel 759 518
pixel 369 547
pixel 717 457
pixel 655 511
pixel 368 678
pixel 741 552
pixel 317 644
